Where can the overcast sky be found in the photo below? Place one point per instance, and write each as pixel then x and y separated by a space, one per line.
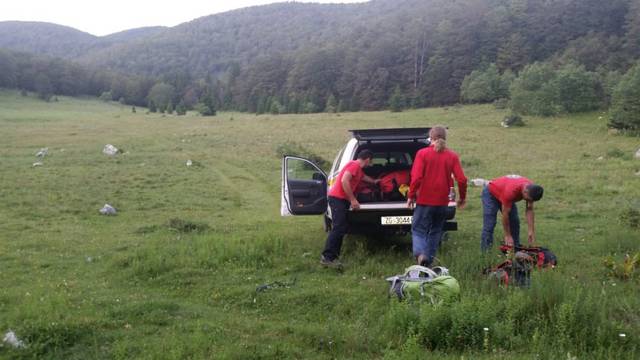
pixel 108 16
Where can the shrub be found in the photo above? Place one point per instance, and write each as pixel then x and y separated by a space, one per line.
pixel 486 85
pixel 186 226
pixel 630 217
pixel 532 93
pixel 625 111
pixel 575 89
pixel 106 96
pixel 396 101
pixel 542 90
pixel 501 103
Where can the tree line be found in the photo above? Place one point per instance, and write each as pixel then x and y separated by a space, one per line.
pixel 303 58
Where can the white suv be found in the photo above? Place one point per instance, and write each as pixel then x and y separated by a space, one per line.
pixel 305 185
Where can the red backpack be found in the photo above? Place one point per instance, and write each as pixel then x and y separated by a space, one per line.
pixel 543 257
pixel 393 180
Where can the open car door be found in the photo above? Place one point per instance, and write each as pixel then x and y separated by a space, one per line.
pixel 304 187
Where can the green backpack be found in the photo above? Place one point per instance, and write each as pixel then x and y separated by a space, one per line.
pixel 421 283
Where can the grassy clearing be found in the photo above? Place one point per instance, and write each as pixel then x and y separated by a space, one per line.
pixel 174 274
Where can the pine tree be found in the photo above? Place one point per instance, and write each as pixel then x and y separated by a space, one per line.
pixel 396 102
pixel 332 104
pixel 181 109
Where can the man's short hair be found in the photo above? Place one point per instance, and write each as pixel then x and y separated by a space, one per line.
pixel 365 154
pixel 535 192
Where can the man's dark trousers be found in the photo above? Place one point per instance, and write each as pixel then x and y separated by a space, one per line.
pixel 339 209
pixel 490 208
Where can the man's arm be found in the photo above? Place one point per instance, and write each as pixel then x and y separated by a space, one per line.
pixel 417 170
pixel 506 209
pixel 370 180
pixel 346 186
pixel 530 223
pixel 458 174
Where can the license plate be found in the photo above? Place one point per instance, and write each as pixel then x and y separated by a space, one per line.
pixel 396 220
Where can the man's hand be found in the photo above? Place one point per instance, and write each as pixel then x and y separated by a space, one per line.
pixel 355 205
pixel 411 203
pixel 532 238
pixel 461 204
pixel 508 240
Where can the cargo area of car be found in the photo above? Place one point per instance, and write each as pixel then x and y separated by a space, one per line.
pixel 391 163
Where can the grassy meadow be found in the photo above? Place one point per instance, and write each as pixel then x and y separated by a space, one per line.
pixel 174 274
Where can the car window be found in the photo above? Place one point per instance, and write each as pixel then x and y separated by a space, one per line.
pixel 391 158
pixel 336 163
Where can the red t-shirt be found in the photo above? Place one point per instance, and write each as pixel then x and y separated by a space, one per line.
pixel 431 177
pixel 354 168
pixel 508 189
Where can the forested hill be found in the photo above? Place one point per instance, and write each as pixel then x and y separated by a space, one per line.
pixel 302 57
pixel 62 41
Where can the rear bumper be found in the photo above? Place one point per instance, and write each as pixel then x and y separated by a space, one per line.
pixel 368 219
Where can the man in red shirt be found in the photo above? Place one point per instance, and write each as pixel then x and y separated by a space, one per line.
pixel 501 195
pixel 430 185
pixel 341 197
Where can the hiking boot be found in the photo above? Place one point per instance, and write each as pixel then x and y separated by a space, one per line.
pixel 334 264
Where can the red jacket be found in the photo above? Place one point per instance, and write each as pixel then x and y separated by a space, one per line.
pixel 508 189
pixel 431 177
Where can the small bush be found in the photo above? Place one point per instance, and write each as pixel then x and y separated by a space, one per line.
pixel 624 270
pixel 501 103
pixel 545 91
pixel 486 85
pixel 625 111
pixel 186 226
pixel 532 92
pixel 630 217
pixel 616 153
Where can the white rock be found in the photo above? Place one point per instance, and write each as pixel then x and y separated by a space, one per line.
pixel 638 173
pixel 36 164
pixel 11 339
pixel 189 162
pixel 110 150
pixel 638 154
pixel 479 182
pixel 108 210
pixel 601 158
pixel 42 152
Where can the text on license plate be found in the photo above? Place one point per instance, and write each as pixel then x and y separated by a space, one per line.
pixel 395 220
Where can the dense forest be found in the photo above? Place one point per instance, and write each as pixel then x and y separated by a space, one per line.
pixel 294 57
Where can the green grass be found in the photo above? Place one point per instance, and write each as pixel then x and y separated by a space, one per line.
pixel 174 274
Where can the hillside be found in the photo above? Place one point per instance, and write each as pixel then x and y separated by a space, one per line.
pixel 299 56
pixel 62 41
pixel 45 39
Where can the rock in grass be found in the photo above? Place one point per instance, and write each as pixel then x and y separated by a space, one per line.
pixel 42 152
pixel 110 150
pixel 11 339
pixel 36 164
pixel 638 154
pixel 108 210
